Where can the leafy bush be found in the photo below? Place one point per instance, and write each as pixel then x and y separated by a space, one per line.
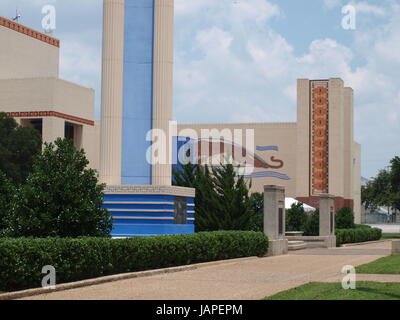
pixel 60 198
pixel 344 218
pixel 7 192
pixel 296 218
pixel 76 259
pixel 359 234
pixel 312 224
pixel 18 147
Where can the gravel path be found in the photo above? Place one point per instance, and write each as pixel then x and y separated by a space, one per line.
pixel 248 279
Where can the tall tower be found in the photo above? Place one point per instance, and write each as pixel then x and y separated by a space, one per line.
pixel 136 89
pixel 327 156
pixel 137 99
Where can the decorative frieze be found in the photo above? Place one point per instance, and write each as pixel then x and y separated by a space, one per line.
pixel 29 32
pixel 319 137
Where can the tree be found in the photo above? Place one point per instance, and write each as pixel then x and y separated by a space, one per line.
pixel 187 176
pixel 395 182
pixel 199 177
pixel 61 198
pixel 312 225
pixel 344 218
pixel 222 197
pixel 296 217
pixel 7 192
pixel 18 147
pixel 234 205
pixel 257 206
pixel 378 191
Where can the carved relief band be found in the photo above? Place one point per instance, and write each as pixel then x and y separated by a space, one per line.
pixel 319 137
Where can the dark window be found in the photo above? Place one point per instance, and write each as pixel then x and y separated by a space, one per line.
pixel 180 213
pixel 69 131
pixel 280 221
pixel 38 125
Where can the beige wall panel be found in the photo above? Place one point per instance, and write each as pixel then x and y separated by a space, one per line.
pixel 46 94
pixel 22 56
pixel 336 145
pixel 282 135
pixel 27 95
pixel 348 137
pixel 302 138
pixel 91 145
pixel 73 99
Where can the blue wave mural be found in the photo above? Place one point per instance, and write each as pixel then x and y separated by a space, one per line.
pixel 269 174
pixel 267 148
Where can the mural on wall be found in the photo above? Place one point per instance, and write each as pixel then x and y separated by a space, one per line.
pixel 319 137
pixel 213 152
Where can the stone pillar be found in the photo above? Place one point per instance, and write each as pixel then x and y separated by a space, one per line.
pixel 274 219
pixel 111 92
pixel 53 128
pixel 327 219
pixel 395 246
pixel 162 83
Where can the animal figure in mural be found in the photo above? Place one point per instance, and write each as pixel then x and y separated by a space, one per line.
pixel 213 152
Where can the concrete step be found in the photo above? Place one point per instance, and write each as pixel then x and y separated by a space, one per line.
pixel 296 245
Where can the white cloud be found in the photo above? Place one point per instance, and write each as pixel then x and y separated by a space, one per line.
pixel 214 40
pixel 259 10
pixel 234 10
pixel 231 65
pixel 272 54
pixel 184 7
pixel 364 7
pixel 330 4
pixel 76 55
pixel 240 71
pixel 291 92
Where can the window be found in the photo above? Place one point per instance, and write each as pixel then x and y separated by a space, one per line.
pixel 180 213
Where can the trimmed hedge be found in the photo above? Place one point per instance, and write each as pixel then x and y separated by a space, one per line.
pixel 22 259
pixel 359 234
pixel 360 226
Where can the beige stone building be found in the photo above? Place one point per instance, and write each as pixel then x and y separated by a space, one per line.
pixel 32 92
pixel 316 154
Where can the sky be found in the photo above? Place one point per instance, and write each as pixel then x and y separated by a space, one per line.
pixel 238 60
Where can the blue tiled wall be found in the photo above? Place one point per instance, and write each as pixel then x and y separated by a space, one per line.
pixel 137 91
pixel 146 215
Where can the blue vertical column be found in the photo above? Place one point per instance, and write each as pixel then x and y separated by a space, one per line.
pixel 137 91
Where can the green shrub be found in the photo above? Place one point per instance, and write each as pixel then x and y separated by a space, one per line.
pixel 359 234
pixel 296 218
pixel 18 147
pixel 360 226
pixel 60 198
pixel 344 218
pixel 7 192
pixel 76 259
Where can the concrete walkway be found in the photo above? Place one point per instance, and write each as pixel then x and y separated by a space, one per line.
pixel 253 278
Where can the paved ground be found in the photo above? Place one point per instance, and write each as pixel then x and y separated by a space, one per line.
pixel 248 279
pixel 387 228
